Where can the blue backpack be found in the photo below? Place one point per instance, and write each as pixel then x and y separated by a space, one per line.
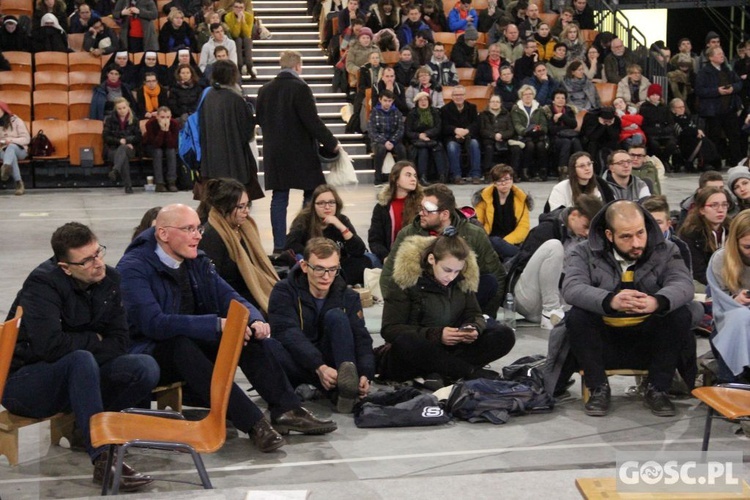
pixel 189 147
pixel 494 401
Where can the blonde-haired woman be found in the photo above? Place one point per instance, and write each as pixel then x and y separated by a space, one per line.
pixel 729 279
pixel 122 140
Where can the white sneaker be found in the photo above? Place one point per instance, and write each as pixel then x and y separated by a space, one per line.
pixel 551 317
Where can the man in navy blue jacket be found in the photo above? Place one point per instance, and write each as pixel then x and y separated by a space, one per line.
pixel 177 306
pixel 320 324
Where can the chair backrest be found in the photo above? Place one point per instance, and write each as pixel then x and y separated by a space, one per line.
pixel 51 80
pixel 8 336
pixel 75 42
pixel 607 92
pixel 83 61
pixel 579 119
pixel 232 339
pixel 483 54
pixel 390 57
pixel 19 103
pixel 480 5
pixel 83 80
pixel 57 132
pixel 137 57
pixel 17 7
pixel 19 61
pixel 79 104
pixel 549 18
pixel 368 103
pixel 482 40
pixel 51 104
pixel 479 95
pixel 88 134
pixel 466 76
pixel 589 36
pixel 15 80
pixel 447 94
pixel 51 61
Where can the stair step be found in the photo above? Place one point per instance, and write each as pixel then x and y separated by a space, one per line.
pixel 259 11
pixel 302 19
pixel 275 59
pixel 273 4
pixel 253 87
pixel 286 24
pixel 275 41
pixel 274 51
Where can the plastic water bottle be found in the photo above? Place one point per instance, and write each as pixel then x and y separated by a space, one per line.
pixel 509 311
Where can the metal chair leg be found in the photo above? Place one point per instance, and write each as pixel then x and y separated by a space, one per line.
pixel 118 468
pixel 108 470
pixel 201 469
pixel 707 428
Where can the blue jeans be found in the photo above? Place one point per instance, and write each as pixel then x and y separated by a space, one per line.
pixel 77 383
pixel 454 158
pixel 10 156
pixel 279 204
pixel 504 249
pixel 336 346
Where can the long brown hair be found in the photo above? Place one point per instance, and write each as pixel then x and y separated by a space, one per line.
pixel 413 199
pixel 575 186
pixel 307 220
pixel 734 266
pixel 696 225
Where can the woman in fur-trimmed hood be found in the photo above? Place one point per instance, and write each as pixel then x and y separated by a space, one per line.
pixel 432 321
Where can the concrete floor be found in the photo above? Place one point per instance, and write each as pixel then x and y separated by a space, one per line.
pixel 533 456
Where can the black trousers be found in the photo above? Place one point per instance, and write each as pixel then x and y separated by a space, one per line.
pixel 653 345
pixel 192 360
pixel 411 356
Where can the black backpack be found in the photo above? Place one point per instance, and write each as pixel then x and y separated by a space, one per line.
pixel 485 400
pixel 407 407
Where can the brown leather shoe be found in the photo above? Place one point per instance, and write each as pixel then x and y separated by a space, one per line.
pixel 130 480
pixel 171 187
pixel 302 420
pixel 265 437
pixel 160 188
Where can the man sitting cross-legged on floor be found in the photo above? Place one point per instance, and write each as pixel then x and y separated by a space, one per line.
pixel 71 353
pixel 177 306
pixel 320 324
pixel 630 291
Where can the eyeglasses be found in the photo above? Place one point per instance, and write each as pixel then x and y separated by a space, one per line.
pixel 588 164
pixel 459 95
pixel 717 205
pixel 242 206
pixel 329 203
pixel 88 261
pixel 320 271
pixel 622 162
pixel 191 230
pixel 504 180
pixel 429 208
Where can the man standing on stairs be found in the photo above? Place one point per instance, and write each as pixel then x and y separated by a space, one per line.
pixel 292 134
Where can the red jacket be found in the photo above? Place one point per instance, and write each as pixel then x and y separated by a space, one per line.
pixel 157 138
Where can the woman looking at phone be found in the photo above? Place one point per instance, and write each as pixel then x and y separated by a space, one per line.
pixel 432 322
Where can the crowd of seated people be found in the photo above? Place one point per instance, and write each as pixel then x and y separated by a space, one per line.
pixel 505 48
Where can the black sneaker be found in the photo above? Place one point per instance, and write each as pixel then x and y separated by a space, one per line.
pixel 658 402
pixel 598 403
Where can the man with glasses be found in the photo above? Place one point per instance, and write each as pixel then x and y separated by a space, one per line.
pixel 617 62
pixel 644 168
pixel 437 212
pixel 71 353
pixel 320 324
pixel 620 178
pixel 177 306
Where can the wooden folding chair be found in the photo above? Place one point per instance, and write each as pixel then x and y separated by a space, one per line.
pixel 168 430
pixel 731 401
pixel 83 80
pixel 19 103
pixel 57 132
pixel 61 424
pixel 19 61
pixel 85 134
pixel 51 104
pixel 51 80
pixel 83 61
pixel 79 104
pixel 14 80
pixel 51 61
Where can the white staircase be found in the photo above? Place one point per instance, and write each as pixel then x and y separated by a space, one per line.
pixel 292 28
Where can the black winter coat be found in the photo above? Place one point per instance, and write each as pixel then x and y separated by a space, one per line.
pixel 657 120
pixel 292 133
pixel 59 317
pixel 464 56
pixel 414 128
pixel 112 134
pixel 490 124
pixel 184 100
pixel 452 119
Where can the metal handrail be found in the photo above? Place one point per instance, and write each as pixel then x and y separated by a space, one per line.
pixel 609 17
